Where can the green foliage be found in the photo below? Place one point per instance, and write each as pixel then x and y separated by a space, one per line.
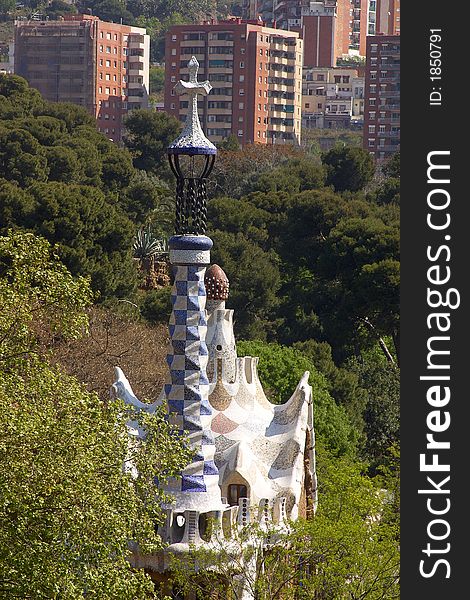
pixel 156 305
pixel 21 157
pixel 350 549
pixel 59 8
pixel 6 6
pixel 149 133
pixel 382 412
pixel 33 283
pixel 94 238
pixel 68 509
pixel 157 81
pixel 295 175
pixel 392 167
pixel 17 99
pixel 280 369
pixel 149 199
pixel 388 192
pixel 348 168
pixel 62 163
pixel 230 143
pixel 254 281
pixel 236 171
pixel 342 383
pixel 337 259
pixel 147 245
pixel 62 179
pixel 112 10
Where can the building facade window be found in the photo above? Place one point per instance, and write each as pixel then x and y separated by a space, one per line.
pixel 235 490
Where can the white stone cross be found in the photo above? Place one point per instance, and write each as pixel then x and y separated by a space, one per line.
pixel 193 86
pixel 192 136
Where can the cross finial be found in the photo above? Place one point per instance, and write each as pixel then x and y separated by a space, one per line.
pixel 192 139
pixel 193 86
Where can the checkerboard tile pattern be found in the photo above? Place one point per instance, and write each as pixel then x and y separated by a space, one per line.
pixel 187 388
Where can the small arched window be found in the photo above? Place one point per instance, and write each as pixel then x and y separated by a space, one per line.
pixel 235 492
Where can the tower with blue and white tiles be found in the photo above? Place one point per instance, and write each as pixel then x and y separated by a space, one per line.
pixel 191 157
pixel 253 461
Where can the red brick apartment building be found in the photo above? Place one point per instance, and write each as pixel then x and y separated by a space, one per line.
pixel 256 75
pixel 382 96
pixel 388 17
pixel 101 66
pixel 330 28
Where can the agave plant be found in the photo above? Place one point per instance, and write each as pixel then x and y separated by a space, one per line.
pixel 146 245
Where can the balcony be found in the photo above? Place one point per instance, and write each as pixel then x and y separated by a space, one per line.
pixel 387 148
pixel 136 38
pixel 390 108
pixel 389 94
pixel 388 121
pixel 389 134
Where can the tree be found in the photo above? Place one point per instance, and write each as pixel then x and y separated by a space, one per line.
pixel 17 99
pixel 62 163
pixel 350 549
pixel 388 191
pixel 72 186
pixel 359 262
pixel 381 380
pixel 94 238
pixel 149 199
pixel 6 6
pixel 68 509
pixel 148 135
pixel 59 8
pixel 343 384
pixel 21 157
pixel 230 143
pixel 392 167
pixel 235 171
pixel 254 281
pixel 113 10
pixel 348 168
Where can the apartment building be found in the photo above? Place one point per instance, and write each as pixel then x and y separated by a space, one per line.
pixel 7 52
pixel 101 66
pixel 330 28
pixel 373 17
pixel 382 96
pixel 332 98
pixel 256 75
pixel 325 29
pixel 388 17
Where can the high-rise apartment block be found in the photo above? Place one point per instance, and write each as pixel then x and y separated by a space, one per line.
pixel 382 96
pixel 101 66
pixel 256 75
pixel 330 29
pixel 326 32
pixel 388 17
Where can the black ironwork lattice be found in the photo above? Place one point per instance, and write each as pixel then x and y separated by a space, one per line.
pixel 191 196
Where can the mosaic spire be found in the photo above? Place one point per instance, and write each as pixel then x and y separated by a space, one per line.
pixel 187 386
